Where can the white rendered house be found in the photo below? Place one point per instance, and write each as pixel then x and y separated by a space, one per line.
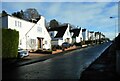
pixel 60 35
pixel 32 36
pixel 85 34
pixel 76 35
pixel 91 35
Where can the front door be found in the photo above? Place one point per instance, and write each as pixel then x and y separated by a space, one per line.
pixel 40 43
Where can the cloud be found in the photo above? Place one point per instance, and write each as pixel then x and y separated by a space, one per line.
pixel 60 1
pixel 91 15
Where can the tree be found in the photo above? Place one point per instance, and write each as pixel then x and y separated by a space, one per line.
pixel 31 13
pixel 54 23
pixel 18 14
pixel 4 13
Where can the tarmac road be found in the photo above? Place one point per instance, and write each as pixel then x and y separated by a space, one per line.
pixel 67 66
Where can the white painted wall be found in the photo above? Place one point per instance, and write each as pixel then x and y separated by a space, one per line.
pixel 67 35
pixel 85 35
pixel 24 26
pixel 59 41
pixel 80 37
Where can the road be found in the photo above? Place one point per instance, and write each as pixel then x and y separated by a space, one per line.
pixel 67 66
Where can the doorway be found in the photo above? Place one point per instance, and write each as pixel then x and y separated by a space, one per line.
pixel 40 43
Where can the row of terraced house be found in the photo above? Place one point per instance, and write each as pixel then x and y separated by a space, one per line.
pixel 35 35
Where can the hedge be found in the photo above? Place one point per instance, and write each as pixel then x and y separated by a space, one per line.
pixel 10 40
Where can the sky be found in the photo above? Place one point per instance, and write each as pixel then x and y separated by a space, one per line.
pixel 94 16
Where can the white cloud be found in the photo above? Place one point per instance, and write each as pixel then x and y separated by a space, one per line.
pixel 93 16
pixel 61 1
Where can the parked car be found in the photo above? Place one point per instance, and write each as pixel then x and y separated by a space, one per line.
pixel 22 53
pixel 65 45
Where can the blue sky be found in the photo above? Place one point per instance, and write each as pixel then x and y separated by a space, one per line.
pixel 91 15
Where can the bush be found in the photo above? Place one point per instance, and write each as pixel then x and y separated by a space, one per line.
pixel 10 40
pixel 77 44
pixel 88 42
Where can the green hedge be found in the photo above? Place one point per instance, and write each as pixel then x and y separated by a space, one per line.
pixel 10 40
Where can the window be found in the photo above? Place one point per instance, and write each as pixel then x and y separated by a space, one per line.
pixel 15 23
pixel 18 24
pixel 39 29
pixel 45 42
pixel 33 41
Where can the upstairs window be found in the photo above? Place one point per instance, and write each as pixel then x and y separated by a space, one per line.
pixel 15 23
pixel 39 29
pixel 18 24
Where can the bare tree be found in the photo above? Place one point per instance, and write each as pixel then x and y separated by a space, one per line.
pixel 31 13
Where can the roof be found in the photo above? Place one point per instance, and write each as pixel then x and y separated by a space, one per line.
pixel 83 30
pixel 75 32
pixel 37 19
pixel 91 31
pixel 60 31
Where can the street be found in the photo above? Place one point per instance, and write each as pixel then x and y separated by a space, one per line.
pixel 67 66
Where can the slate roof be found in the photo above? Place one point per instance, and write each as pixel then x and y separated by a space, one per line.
pixel 75 32
pixel 60 31
pixel 91 31
pixel 37 19
pixel 83 30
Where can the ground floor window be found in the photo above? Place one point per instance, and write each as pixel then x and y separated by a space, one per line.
pixel 33 41
pixel 45 42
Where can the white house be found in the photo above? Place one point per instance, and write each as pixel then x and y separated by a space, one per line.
pixel 85 34
pixel 76 35
pixel 31 35
pixel 60 35
pixel 91 35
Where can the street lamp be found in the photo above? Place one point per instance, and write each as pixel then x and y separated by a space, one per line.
pixel 115 24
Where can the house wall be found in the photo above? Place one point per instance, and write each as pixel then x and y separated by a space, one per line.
pixel 88 35
pixel 67 35
pixel 28 32
pixel 85 35
pixel 21 26
pixel 80 37
pixel 60 41
pixel 97 36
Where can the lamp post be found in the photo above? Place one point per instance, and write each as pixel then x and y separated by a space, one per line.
pixel 115 24
pixel 117 51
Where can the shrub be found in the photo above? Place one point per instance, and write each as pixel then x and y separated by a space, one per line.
pixel 10 40
pixel 77 44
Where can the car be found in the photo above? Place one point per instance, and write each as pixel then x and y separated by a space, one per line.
pixel 22 53
pixel 65 45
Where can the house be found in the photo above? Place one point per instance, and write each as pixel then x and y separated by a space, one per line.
pixel 60 35
pixel 85 34
pixel 91 35
pixel 98 37
pixel 76 34
pixel 32 35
